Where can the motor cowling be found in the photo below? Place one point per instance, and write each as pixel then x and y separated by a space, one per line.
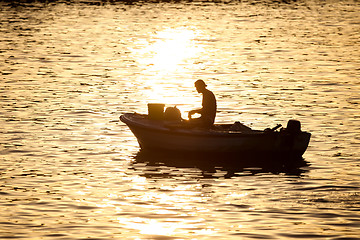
pixel 293 126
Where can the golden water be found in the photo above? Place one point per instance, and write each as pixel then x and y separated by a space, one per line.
pixel 69 169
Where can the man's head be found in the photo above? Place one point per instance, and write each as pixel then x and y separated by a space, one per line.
pixel 200 85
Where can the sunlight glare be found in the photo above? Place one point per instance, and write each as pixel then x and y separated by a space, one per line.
pixel 169 227
pixel 167 60
pixel 172 47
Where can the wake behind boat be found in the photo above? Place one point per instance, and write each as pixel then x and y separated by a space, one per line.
pixel 155 134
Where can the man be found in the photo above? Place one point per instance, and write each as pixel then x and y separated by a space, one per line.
pixel 208 110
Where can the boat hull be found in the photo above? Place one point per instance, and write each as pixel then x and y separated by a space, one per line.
pixel 157 135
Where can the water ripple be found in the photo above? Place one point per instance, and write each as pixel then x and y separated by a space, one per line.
pixel 70 170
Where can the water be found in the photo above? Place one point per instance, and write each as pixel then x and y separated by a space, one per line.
pixel 71 170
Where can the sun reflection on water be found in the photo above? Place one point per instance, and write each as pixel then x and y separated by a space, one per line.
pixel 170 227
pixel 167 62
pixel 168 50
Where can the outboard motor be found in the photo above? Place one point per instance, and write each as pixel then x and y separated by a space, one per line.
pixel 289 134
pixel 293 126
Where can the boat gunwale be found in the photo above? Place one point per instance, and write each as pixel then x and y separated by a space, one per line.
pixel 127 119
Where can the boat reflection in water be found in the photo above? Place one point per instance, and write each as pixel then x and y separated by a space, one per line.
pixel 231 165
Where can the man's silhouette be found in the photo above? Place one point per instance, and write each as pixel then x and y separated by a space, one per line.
pixel 208 110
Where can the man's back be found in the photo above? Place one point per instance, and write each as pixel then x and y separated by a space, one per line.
pixel 208 105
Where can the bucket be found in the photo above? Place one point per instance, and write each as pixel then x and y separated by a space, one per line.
pixel 156 111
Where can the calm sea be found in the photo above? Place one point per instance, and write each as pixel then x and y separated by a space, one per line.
pixel 70 170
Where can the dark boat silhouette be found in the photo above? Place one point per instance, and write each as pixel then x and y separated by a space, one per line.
pixel 162 135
